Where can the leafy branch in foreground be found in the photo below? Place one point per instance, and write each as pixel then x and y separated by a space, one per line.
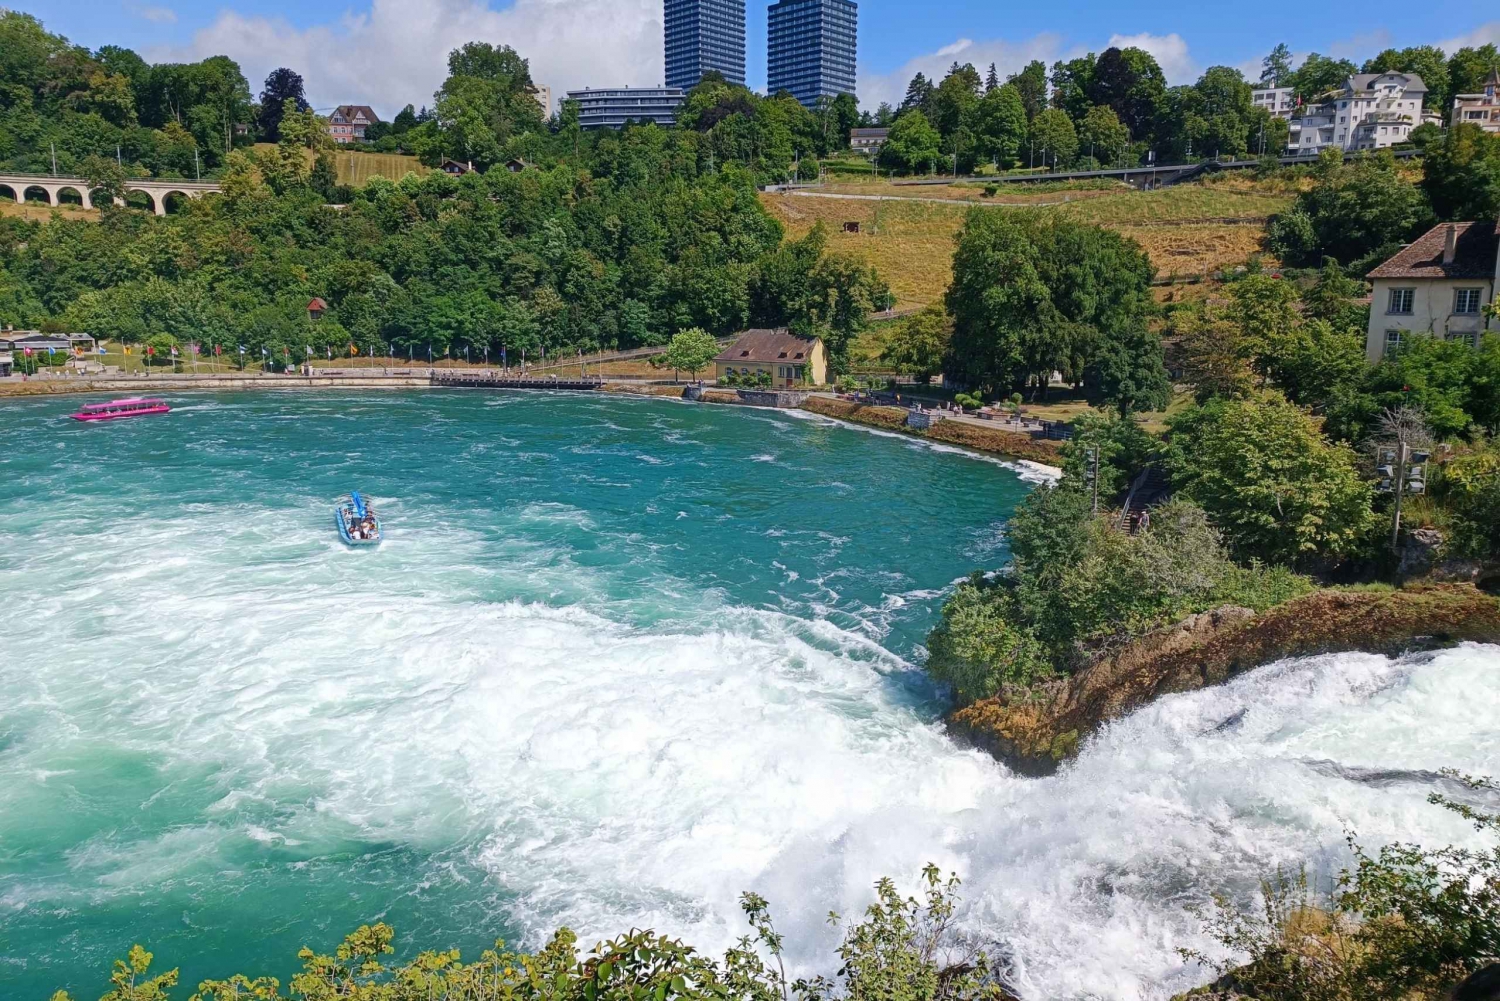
pixel 1405 924
pixel 905 949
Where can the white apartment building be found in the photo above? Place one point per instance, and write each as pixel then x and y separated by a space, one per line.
pixel 1437 286
pixel 1279 101
pixel 1372 111
pixel 1482 109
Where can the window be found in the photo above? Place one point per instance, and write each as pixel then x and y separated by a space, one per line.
pixel 1466 300
pixel 1392 340
pixel 1400 302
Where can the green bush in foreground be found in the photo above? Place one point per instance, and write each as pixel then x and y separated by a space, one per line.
pixel 905 949
pixel 1405 924
pixel 1470 485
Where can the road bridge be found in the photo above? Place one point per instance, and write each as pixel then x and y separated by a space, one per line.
pixel 52 186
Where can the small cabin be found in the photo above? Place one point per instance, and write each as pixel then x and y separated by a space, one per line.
pixel 316 308
pixel 454 168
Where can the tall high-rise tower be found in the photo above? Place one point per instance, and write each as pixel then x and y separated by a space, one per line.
pixel 704 35
pixel 810 48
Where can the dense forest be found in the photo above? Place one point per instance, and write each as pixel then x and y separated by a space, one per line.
pixel 617 241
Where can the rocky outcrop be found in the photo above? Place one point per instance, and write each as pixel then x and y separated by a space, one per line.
pixel 1035 730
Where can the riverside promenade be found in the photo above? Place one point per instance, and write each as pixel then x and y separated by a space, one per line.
pixel 136 384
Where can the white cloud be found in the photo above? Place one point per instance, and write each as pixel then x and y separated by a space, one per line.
pixel 1170 51
pixel 1485 34
pixel 156 15
pixel 396 52
pixel 1008 57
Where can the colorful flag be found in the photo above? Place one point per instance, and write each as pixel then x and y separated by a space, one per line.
pixel 150 350
pixel 101 350
pixel 218 350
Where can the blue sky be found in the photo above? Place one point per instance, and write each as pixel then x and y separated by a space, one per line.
pixel 387 52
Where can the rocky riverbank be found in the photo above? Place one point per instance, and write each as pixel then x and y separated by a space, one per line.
pixel 1034 731
pixel 967 435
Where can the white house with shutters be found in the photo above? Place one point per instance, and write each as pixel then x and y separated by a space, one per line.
pixel 1437 286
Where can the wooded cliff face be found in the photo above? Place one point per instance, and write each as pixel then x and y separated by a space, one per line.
pixel 1036 730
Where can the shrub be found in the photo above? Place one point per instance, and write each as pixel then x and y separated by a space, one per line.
pixel 977 648
pixel 1470 486
pixel 1270 479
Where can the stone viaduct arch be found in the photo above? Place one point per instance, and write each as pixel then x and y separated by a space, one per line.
pixel 156 189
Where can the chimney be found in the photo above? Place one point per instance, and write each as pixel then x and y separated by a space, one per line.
pixel 1450 243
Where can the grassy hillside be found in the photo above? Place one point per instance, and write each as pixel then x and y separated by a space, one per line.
pixel 1187 230
pixel 356 168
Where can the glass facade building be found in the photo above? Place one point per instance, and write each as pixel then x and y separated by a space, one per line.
pixel 703 35
pixel 612 107
pixel 811 48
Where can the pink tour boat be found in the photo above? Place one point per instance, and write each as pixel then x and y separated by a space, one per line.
pixel 116 409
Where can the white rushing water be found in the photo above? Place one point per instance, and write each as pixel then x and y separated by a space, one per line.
pixel 608 777
pixel 549 711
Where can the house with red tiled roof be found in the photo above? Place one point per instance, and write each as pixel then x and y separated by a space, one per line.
pixel 788 359
pixel 1437 286
pixel 348 122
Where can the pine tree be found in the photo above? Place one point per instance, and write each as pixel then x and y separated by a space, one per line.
pixel 992 81
pixel 918 94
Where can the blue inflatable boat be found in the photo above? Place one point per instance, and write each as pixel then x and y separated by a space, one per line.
pixel 357 522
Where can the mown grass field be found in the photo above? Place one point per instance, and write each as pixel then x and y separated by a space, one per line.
pixel 1187 230
pixel 355 168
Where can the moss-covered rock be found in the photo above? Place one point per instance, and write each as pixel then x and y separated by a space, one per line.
pixel 1034 730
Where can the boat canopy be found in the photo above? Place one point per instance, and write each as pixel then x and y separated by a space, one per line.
pixel 359 503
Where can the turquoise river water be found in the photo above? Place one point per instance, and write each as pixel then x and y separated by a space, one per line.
pixel 617 661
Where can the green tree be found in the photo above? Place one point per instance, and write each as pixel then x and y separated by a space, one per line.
pixel 131 983
pixel 1426 61
pixel 1318 75
pixel 1355 212
pixel 913 145
pixel 1277 66
pixel 1031 85
pixel 1053 136
pixel 1461 174
pixel 918 344
pixel 1000 125
pixel 978 649
pixel 1469 66
pixel 955 99
pixel 103 175
pixel 1130 82
pixel 1270 479
pixel 1071 82
pixel 1103 135
pixel 918 96
pixel 1129 373
pixel 1469 486
pixel 690 350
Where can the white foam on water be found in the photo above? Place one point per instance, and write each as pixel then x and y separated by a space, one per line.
pixel 606 775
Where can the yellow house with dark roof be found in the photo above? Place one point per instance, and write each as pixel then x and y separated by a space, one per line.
pixel 789 360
